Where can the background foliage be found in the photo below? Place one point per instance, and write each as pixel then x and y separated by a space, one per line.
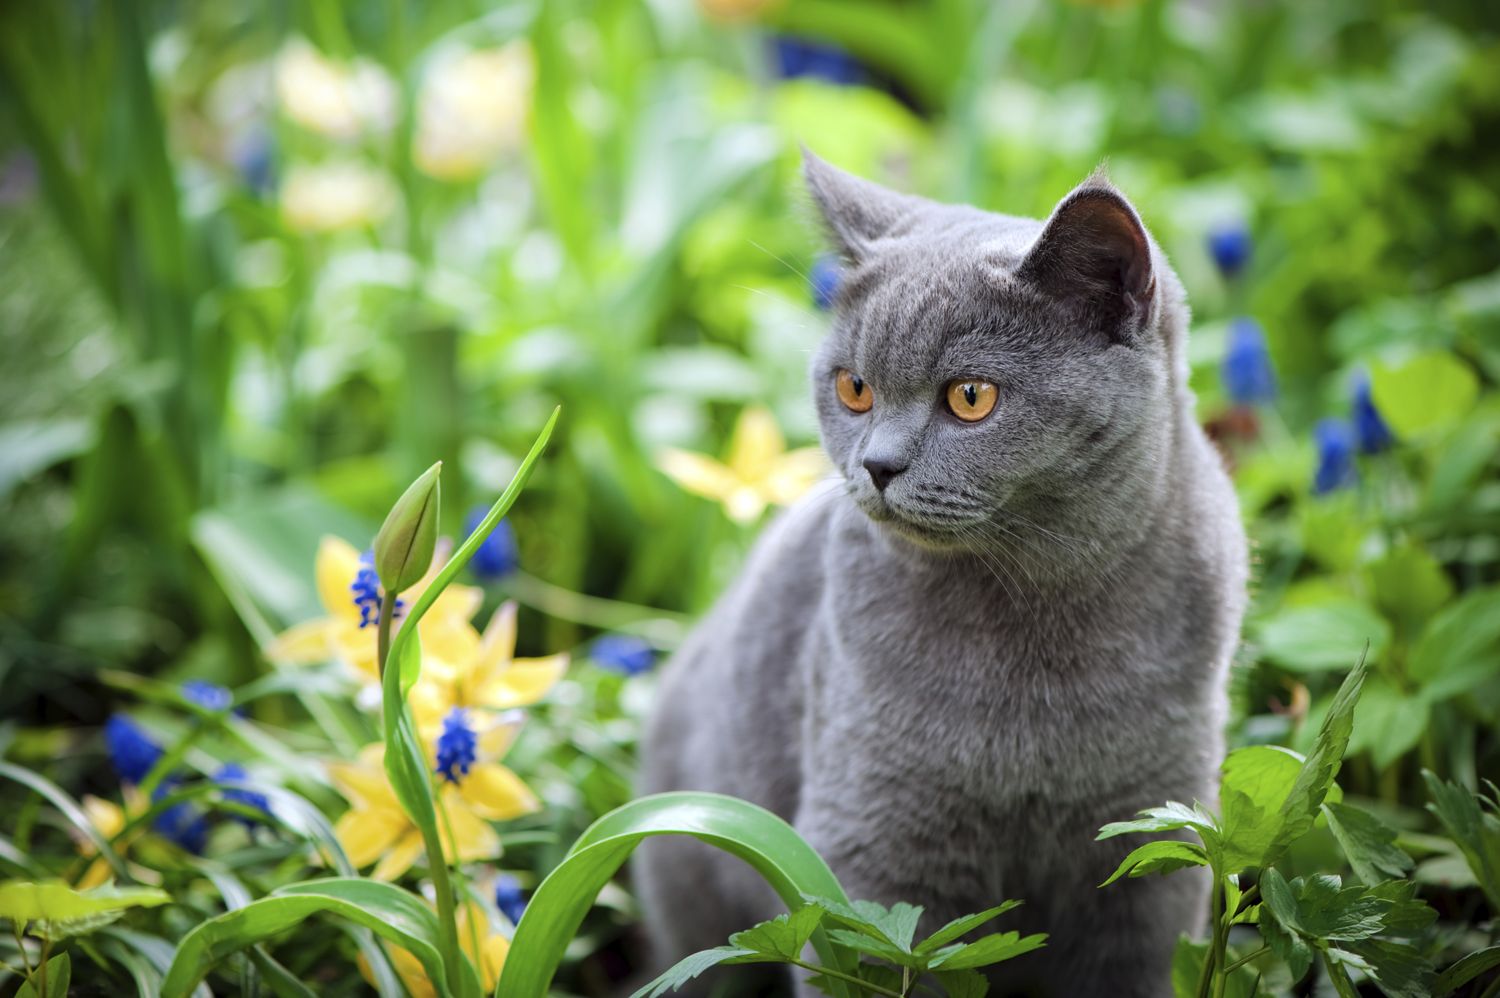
pixel 264 263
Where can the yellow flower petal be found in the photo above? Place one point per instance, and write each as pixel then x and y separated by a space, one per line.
pixel 408 968
pixel 498 645
pixel 697 474
pixel 495 740
pixel 494 792
pixel 104 815
pixel 364 782
pixel 366 833
pixel 474 838
pixel 306 643
pixel 520 684
pixel 755 445
pixel 491 960
pixel 430 701
pixel 744 505
pixel 794 473
pixel 399 859
pixel 336 566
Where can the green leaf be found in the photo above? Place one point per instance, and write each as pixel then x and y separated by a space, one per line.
pixel 1256 783
pixel 1466 970
pixel 689 967
pixel 1475 831
pixel 1410 585
pixel 783 937
pixel 1399 969
pixel 1460 647
pixel 870 945
pixel 1168 817
pixel 989 949
pixel 59 974
pixel 876 975
pixel 895 925
pixel 1323 637
pixel 963 983
pixel 557 908
pixel 1390 722
pixel 59 798
pixel 24 901
pixel 1369 844
pixel 1161 856
pixel 962 925
pixel 396 915
pixel 1428 392
pixel 1288 946
pixel 1317 774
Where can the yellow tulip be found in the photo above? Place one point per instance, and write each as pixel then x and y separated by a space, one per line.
pixel 445 632
pixel 472 109
pixel 476 934
pixel 758 471
pixel 333 99
pixel 334 196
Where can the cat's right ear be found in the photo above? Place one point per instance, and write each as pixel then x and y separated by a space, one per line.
pixel 855 212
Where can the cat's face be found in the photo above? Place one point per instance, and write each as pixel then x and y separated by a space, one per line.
pixel 987 375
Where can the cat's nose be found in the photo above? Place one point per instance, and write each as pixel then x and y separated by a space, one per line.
pixel 882 470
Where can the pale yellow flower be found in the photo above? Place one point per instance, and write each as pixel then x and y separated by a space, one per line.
pixel 445 632
pixel 472 109
pixel 376 830
pixel 108 818
pixel 331 98
pixel 476 934
pixel 333 196
pixel 758 471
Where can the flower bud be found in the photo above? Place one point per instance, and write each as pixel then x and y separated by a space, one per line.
pixel 404 546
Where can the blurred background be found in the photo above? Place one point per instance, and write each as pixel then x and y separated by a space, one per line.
pixel 264 262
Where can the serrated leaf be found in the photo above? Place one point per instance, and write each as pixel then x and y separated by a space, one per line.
pixel 59 975
pixel 1161 856
pixel 1288 946
pixel 990 949
pixel 783 937
pixel 895 925
pixel 960 926
pixel 1165 818
pixel 1398 969
pixel 861 942
pixel 1368 843
pixel 1472 829
pixel 55 901
pixel 690 967
pixel 1466 970
pixel 963 983
pixel 878 975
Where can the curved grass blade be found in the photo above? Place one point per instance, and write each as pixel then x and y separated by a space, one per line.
pixel 791 866
pixel 59 798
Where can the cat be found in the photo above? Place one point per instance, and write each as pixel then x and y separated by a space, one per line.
pixel 1008 624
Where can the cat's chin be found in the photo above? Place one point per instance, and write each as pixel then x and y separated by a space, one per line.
pixel 895 523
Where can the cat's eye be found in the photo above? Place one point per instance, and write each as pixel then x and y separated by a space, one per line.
pixel 853 392
pixel 970 399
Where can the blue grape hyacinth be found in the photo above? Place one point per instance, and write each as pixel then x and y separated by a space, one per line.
pixel 508 897
pixel 181 823
pixel 1230 246
pixel 1246 371
pixel 801 58
pixel 209 696
pixel 233 772
pixel 1370 428
pixel 498 555
pixel 824 279
pixel 622 653
pixel 1335 442
pixel 457 746
pixel 132 752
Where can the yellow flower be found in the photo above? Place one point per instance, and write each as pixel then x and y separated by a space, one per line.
pixel 333 196
pixel 445 632
pixel 735 10
pixel 473 108
pixel 376 830
pixel 490 679
pixel 476 934
pixel 331 98
pixel 758 472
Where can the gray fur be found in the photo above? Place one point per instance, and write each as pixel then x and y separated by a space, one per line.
pixel 950 686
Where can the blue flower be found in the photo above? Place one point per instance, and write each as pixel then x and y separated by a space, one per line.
pixel 624 654
pixel 233 772
pixel 1230 246
pixel 131 750
pixel 508 897
pixel 824 279
pixel 497 556
pixel 209 696
pixel 253 156
pixel 1335 441
pixel 457 746
pixel 1246 371
pixel 366 589
pixel 182 823
pixel 795 58
pixel 1370 429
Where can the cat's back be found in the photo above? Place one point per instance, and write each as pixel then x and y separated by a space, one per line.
pixel 729 708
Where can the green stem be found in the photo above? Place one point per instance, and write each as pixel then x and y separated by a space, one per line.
pixel 16 926
pixel 1215 955
pixel 1236 965
pixel 830 972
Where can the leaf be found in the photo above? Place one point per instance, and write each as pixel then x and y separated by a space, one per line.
pixel 877 975
pixel 396 915
pixel 1322 637
pixel 990 949
pixel 1168 817
pixel 783 937
pixel 1368 843
pixel 870 945
pixel 962 925
pixel 1475 832
pixel 1256 783
pixel 1316 775
pixel 963 983
pixel 59 974
pixel 1458 648
pixel 1390 722
pixel 1288 946
pixel 1161 856
pixel 895 925
pixel 770 845
pixel 1426 393
pixel 55 901
pixel 1410 585
pixel 688 968
pixel 1466 970
pixel 1400 970
pixel 59 798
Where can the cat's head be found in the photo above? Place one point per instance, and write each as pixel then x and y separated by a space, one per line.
pixel 988 375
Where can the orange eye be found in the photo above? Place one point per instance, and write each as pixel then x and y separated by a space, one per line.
pixel 971 400
pixel 853 392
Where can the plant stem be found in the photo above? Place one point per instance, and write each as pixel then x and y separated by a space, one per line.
pixel 383 630
pixel 1236 965
pixel 830 972
pixel 21 945
pixel 1215 954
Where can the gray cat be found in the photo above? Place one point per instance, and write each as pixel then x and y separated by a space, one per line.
pixel 1008 624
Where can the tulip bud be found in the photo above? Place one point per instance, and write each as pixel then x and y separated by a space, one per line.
pixel 404 546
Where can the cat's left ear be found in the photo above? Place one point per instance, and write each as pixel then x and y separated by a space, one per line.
pixel 1094 254
pixel 856 212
